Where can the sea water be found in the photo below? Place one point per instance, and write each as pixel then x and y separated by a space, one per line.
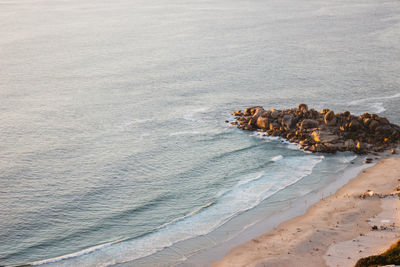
pixel 113 146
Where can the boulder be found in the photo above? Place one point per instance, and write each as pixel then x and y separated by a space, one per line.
pixel 354 125
pixel 243 120
pixel 303 107
pixel 315 114
pixel 309 124
pixel 360 147
pixel 374 116
pixel 248 127
pixel 349 144
pixel 251 111
pixel 324 111
pixel 372 124
pixel 288 121
pixel 368 160
pixel 383 121
pixel 257 112
pixel 340 146
pixel 384 129
pixel 247 112
pixel 237 113
pixel 330 118
pixel 324 137
pixel 366 121
pixel 366 115
pixel 274 114
pixel 274 126
pixel 322 132
pixel 303 142
pixel 331 148
pixel 262 122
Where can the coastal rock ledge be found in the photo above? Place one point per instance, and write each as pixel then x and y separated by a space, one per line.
pixel 324 131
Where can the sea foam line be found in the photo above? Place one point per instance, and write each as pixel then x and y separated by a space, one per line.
pixel 243 196
pixel 75 254
pixel 276 158
pixel 359 101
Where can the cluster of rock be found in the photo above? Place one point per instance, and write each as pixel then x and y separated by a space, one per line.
pixel 371 193
pixel 324 131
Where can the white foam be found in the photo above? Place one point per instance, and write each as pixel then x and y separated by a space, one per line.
pixel 193 115
pixel 348 159
pixel 291 146
pixel 250 179
pixel 276 158
pixel 196 132
pixel 75 254
pixel 267 139
pixel 245 195
pixel 359 101
pixel 378 107
pixel 375 107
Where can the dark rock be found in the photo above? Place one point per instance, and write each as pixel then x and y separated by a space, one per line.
pixel 372 124
pixel 262 122
pixel 243 120
pixel 251 111
pixel 237 113
pixel 322 132
pixel 256 113
pixel 366 115
pixel 320 136
pixel 354 125
pixel 308 124
pixel 384 129
pixel 274 126
pixel 303 107
pixel 330 118
pixel 247 112
pixel 288 121
pixel 349 144
pixel 274 114
pixel 361 147
pixel 324 111
pixel 366 121
pixel 383 121
pixel 248 128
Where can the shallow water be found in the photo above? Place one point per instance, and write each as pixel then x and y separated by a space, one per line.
pixel 111 126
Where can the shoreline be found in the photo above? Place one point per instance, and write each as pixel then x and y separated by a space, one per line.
pixel 266 216
pixel 191 253
pixel 334 231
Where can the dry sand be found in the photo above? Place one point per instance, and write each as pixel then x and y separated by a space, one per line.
pixel 336 231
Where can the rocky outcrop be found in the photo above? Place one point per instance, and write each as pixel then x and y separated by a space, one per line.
pixel 324 131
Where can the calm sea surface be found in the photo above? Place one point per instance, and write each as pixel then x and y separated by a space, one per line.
pixel 113 144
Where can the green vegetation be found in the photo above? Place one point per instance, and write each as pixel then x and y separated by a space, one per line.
pixel 391 256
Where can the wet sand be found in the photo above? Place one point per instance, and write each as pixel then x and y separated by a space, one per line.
pixel 337 230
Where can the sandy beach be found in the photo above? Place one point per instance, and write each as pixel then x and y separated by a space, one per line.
pixel 336 231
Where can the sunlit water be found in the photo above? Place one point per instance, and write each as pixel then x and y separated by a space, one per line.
pixel 113 144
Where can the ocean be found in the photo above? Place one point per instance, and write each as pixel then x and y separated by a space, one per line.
pixel 113 145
